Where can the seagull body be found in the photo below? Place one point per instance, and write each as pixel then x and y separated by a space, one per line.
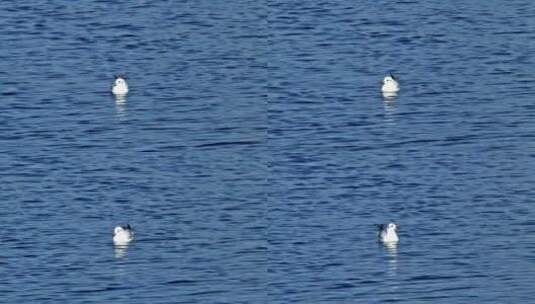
pixel 390 84
pixel 122 235
pixel 387 233
pixel 120 87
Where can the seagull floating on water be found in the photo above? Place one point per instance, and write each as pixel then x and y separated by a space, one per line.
pixel 390 84
pixel 387 233
pixel 119 88
pixel 122 235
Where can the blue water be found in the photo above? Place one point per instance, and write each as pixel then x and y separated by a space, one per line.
pixel 254 153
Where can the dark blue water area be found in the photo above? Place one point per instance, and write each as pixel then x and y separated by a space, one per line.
pixel 450 159
pixel 254 153
pixel 182 159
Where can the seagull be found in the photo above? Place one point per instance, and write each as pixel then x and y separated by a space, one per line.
pixel 119 88
pixel 390 84
pixel 387 233
pixel 122 235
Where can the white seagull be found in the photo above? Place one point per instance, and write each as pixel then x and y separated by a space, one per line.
pixel 119 88
pixel 390 84
pixel 387 233
pixel 122 235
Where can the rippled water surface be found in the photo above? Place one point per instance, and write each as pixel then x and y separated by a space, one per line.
pixel 254 154
pixel 182 159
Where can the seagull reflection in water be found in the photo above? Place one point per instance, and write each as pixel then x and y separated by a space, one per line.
pixel 392 256
pixel 120 251
pixel 390 110
pixel 120 106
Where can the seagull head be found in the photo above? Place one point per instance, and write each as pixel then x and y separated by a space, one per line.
pixel 118 230
pixel 388 79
